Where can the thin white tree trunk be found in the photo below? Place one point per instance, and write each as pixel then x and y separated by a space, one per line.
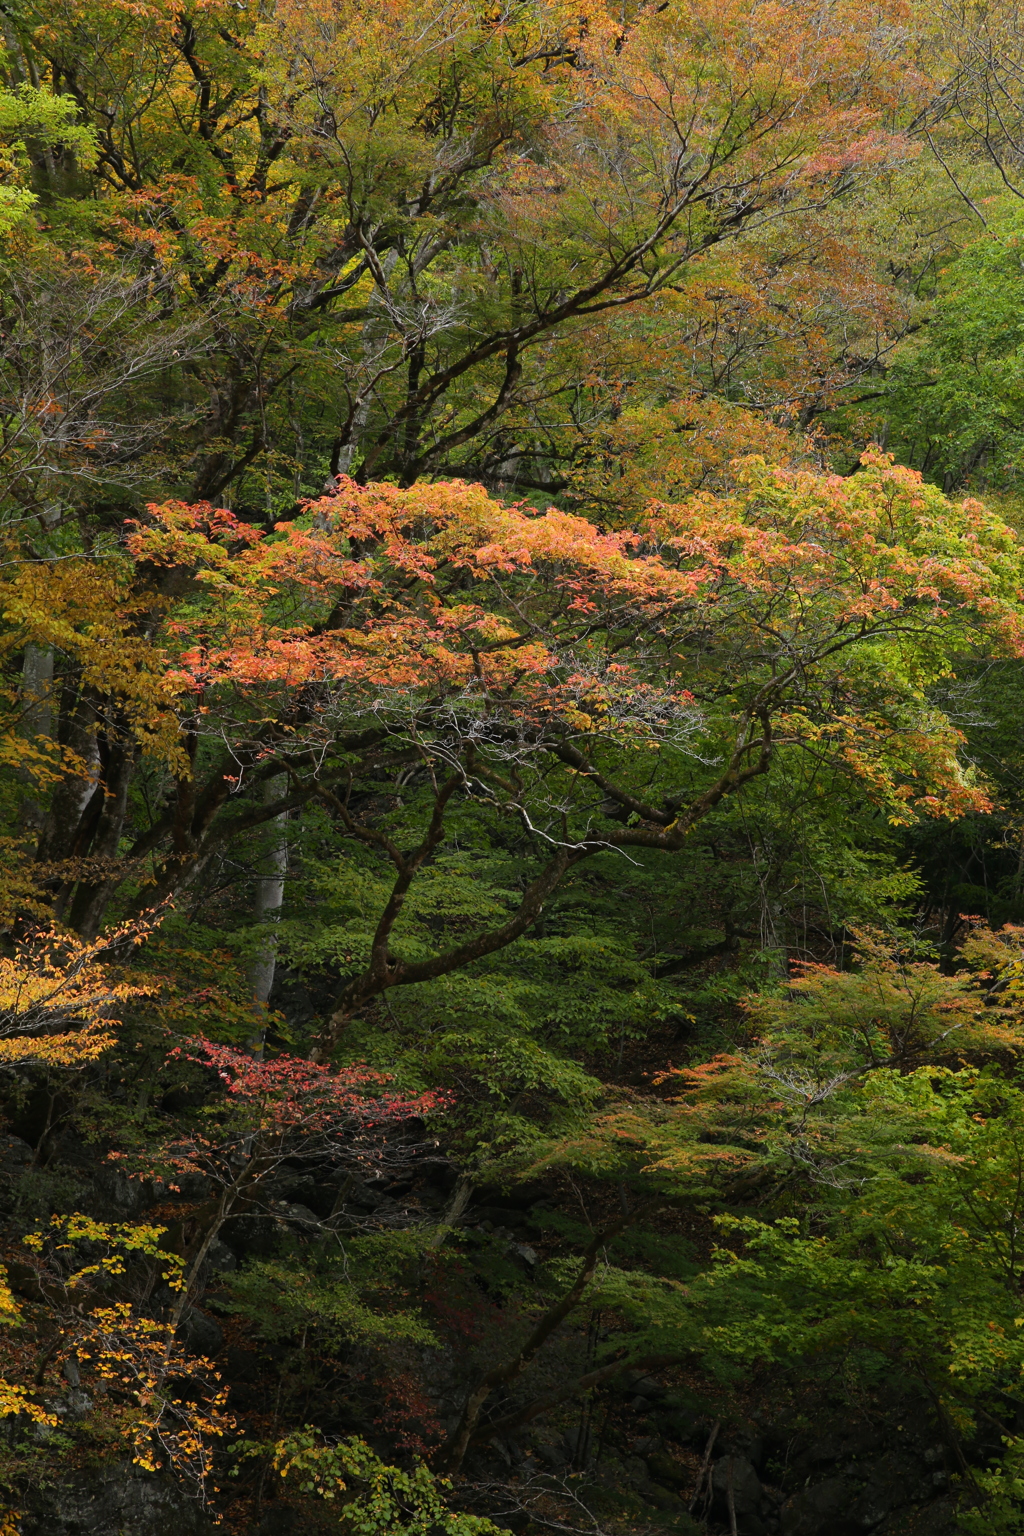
pixel 37 690
pixel 38 722
pixel 268 898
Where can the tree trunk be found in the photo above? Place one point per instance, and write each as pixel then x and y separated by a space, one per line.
pixel 37 690
pixel 267 901
pixel 37 725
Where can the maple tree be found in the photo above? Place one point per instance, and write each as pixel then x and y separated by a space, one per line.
pixel 270 1113
pixel 597 691
pixel 569 681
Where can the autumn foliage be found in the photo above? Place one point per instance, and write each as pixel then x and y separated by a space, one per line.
pixel 511 828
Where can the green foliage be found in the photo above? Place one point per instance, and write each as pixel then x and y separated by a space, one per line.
pixel 48 120
pixel 247 247
pixel 374 1499
pixel 912 1264
pixel 956 393
pixel 326 1295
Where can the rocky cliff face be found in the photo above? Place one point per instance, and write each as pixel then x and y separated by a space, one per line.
pixel 117 1501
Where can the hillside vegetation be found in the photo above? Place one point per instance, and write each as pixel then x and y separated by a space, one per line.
pixel 511 767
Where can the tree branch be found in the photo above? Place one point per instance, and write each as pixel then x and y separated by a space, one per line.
pixel 451 1455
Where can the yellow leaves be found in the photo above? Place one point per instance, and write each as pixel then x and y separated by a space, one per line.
pixel 10 1312
pixel 82 609
pixel 65 1232
pixel 667 453
pixel 136 1357
pixel 58 999
pixel 15 1401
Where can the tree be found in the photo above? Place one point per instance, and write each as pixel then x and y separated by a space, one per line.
pixel 57 997
pixel 390 223
pixel 594 692
pixel 91 1281
pixel 372 1496
pixel 269 1112
pixel 954 398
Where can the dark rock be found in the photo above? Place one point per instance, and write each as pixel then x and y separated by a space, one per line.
pixel 661 1498
pixel 682 1415
pixel 71 1407
pixel 863 1440
pixel 645 1386
pixel 550 1450
pixel 871 1508
pixel 437 1171
pixel 893 1481
pixel 684 1524
pixel 634 1472
pixel 241 1366
pixel 220 1257
pixel 321 1198
pixel 122 1501
pixel 648 1445
pixel 578 1447
pixel 745 1442
pixel 292 1186
pixel 298 1217
pixel 316 1195
pixel 524 1255
pixel 126 1197
pixel 685 1402
pixel 825 1507
pixel 256 1236
pixel 497 1215
pixel 936 1519
pixel 734 1479
pixel 200 1333
pixel 24 1280
pixel 195 1186
pixel 737 1474
pixel 512 1450
pixel 823 1452
pixel 665 1469
pixel 15 1156
pixel 359 1194
pixel 280 1520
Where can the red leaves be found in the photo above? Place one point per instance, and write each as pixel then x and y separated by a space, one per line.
pixel 290 1092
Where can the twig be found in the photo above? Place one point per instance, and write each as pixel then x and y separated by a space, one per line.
pixel 704 1466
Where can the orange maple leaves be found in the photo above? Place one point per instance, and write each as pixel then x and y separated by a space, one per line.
pixel 831 603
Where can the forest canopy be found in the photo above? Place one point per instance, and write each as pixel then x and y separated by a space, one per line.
pixel 511 785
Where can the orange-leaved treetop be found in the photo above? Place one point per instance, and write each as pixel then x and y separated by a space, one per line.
pixel 596 691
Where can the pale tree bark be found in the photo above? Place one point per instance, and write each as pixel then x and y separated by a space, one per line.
pixel 37 690
pixel 267 901
pixel 37 725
